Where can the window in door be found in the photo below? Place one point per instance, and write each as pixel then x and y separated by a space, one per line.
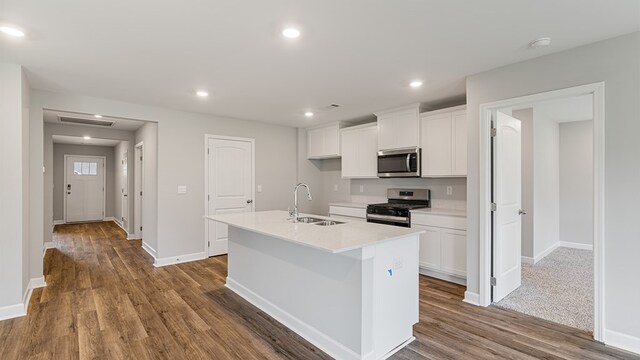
pixel 85 168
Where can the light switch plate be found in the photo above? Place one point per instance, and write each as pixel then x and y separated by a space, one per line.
pixel 259 188
pixel 182 189
pixel 335 187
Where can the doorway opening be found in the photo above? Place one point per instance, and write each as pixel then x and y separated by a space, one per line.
pixel 541 185
pixel 229 185
pixel 88 161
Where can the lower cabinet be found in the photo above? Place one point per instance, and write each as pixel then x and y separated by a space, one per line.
pixel 443 250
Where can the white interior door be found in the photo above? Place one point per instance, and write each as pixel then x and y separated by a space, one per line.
pixel 84 188
pixel 229 186
pixel 125 192
pixel 507 223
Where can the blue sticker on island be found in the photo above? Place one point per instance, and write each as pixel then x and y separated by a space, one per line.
pixel 390 272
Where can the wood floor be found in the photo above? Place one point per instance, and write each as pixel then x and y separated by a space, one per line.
pixel 105 300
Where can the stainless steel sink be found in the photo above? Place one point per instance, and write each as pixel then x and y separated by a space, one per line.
pixel 309 220
pixel 328 223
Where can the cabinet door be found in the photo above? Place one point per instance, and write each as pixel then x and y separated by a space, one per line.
pixel 429 247
pixel 359 147
pixel 367 152
pixel 350 141
pixel 436 135
pixel 314 143
pixel 459 146
pixel 331 141
pixel 454 252
pixel 399 129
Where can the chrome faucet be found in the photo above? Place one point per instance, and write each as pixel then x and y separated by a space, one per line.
pixel 294 214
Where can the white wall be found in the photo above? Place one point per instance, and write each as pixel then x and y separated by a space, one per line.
pixel 59 151
pixel 546 183
pixel 576 182
pixel 181 162
pixel 614 62
pixel 148 135
pixel 14 185
pixel 120 185
pixel 526 118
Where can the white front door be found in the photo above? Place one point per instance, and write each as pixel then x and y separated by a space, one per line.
pixel 84 188
pixel 229 186
pixel 125 192
pixel 507 223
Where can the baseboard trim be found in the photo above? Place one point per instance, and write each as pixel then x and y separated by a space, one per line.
pixel 546 252
pixel 49 245
pixel 573 245
pixel 622 341
pixel 12 311
pixel 471 298
pixel 132 237
pixel 527 260
pixel 18 310
pixel 179 259
pixel 58 222
pixel 442 276
pixel 151 251
pixel 309 333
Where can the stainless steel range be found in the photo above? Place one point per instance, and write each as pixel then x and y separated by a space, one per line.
pixel 398 210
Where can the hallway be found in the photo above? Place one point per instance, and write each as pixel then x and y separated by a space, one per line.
pixel 105 299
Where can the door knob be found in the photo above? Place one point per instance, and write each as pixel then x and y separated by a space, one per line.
pixel 249 201
pixel 522 212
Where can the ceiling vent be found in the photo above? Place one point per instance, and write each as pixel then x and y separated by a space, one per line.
pixel 329 107
pixel 80 121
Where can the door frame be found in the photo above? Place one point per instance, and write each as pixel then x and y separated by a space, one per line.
pixel 485 178
pixel 125 184
pixel 208 137
pixel 138 186
pixel 104 183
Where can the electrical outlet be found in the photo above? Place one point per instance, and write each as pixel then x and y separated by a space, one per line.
pixel 259 188
pixel 449 190
pixel 361 188
pixel 335 187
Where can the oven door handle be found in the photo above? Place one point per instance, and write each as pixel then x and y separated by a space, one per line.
pixel 398 219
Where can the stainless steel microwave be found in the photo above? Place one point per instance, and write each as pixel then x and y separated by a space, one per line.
pixel 399 163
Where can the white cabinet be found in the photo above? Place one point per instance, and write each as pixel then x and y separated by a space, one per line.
pixel 359 151
pixel 347 213
pixel 443 246
pixel 443 139
pixel 399 128
pixel 323 142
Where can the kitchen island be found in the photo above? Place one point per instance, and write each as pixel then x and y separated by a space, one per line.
pixel 351 289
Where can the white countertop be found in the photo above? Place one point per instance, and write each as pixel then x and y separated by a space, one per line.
pixel 336 238
pixel 350 204
pixel 445 212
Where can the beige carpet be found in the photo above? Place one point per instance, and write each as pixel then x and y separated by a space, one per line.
pixel 558 288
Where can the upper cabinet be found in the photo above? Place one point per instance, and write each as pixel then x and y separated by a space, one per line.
pixel 359 155
pixel 443 139
pixel 399 128
pixel 323 142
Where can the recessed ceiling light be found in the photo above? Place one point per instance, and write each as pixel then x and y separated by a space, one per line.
pixel 11 31
pixel 291 33
pixel 415 84
pixel 97 116
pixel 541 42
pixel 87 137
pixel 308 114
pixel 202 93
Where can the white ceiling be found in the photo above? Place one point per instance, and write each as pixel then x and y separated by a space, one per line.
pixel 75 140
pixel 575 108
pixel 360 54
pixel 53 116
